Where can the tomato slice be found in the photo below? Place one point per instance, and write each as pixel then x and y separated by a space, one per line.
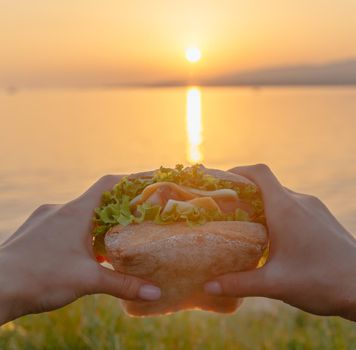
pixel 100 258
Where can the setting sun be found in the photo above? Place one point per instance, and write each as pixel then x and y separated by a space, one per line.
pixel 193 54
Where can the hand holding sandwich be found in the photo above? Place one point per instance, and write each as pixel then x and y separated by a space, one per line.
pixel 49 263
pixel 312 257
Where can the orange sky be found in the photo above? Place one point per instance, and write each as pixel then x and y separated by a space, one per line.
pixel 89 42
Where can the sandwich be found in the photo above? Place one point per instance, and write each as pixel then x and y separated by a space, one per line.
pixel 180 228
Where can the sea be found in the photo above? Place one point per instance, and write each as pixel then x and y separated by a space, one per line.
pixel 55 143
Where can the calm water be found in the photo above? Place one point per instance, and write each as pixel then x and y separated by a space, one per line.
pixel 54 144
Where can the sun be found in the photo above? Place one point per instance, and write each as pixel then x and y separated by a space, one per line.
pixel 193 54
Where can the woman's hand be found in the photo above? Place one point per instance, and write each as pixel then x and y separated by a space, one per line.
pixel 49 261
pixel 312 261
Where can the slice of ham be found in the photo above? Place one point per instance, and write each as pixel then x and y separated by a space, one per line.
pixel 160 192
pixel 166 194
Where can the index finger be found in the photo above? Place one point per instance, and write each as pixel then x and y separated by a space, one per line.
pixel 91 198
pixel 264 178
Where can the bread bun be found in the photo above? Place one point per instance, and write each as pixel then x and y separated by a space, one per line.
pixel 179 259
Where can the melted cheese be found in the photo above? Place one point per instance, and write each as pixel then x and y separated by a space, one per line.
pixel 180 205
pixel 224 192
pixel 203 202
pixel 207 203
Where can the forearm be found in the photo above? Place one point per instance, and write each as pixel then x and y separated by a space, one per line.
pixel 11 301
pixel 5 307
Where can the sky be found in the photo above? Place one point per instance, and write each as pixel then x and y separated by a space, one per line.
pixel 87 42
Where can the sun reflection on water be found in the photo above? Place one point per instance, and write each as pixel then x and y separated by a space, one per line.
pixel 194 126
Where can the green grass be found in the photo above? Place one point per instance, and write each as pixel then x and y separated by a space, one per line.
pixel 97 322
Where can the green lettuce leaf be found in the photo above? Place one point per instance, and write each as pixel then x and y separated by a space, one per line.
pixel 147 212
pixel 241 215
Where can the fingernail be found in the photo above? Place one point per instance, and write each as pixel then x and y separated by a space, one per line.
pixel 149 292
pixel 213 288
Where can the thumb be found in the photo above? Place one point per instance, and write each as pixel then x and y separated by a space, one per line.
pixel 240 284
pixel 124 286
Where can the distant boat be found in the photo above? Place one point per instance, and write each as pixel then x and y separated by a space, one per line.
pixel 11 90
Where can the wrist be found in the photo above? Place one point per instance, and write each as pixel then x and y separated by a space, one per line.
pixel 346 300
pixel 346 293
pixel 348 309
